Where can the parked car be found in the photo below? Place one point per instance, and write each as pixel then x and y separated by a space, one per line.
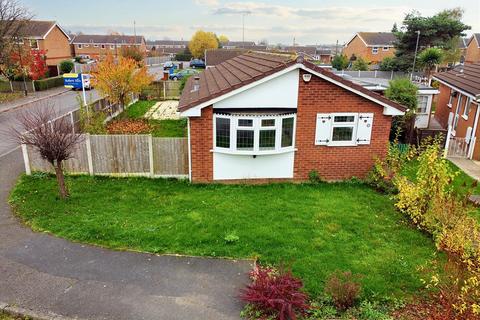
pixel 182 74
pixel 197 63
pixel 168 65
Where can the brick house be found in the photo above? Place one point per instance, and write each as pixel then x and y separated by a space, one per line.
pixel 49 37
pixel 274 116
pixel 472 52
pixel 166 47
pixel 458 109
pixel 373 47
pixel 97 47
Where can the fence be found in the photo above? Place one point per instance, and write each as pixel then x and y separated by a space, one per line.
pixel 120 155
pixel 155 61
pixel 16 86
pixel 163 90
pixel 378 74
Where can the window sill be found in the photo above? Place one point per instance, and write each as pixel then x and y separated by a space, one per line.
pixel 464 117
pixel 449 105
pixel 253 153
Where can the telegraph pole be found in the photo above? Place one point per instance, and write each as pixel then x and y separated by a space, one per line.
pixel 415 57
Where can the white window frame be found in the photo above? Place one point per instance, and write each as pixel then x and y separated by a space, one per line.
pixel 422 96
pixel 102 46
pixel 256 128
pixel 353 124
pixel 374 50
pixel 95 45
pixel 86 45
pixel 79 46
pixel 450 99
pixel 386 48
pixel 36 42
pixel 466 107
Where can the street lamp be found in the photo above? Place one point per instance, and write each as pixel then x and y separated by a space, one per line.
pixel 415 57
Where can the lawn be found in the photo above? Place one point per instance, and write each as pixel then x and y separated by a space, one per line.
pixel 158 128
pixel 315 228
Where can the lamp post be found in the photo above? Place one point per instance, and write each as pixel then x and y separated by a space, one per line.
pixel 415 56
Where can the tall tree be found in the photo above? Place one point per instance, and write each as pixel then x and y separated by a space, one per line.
pixel 394 28
pixel 118 79
pixel 13 18
pixel 55 141
pixel 202 41
pixel 222 39
pixel 435 31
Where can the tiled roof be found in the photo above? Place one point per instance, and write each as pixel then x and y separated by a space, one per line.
pixel 107 39
pixel 475 36
pixel 467 80
pixel 217 56
pixel 239 43
pixel 378 38
pixel 462 43
pixel 167 42
pixel 302 49
pixel 322 52
pixel 250 67
pixel 34 28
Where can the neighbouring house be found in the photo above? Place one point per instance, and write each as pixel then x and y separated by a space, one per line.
pixel 97 47
pixel 380 81
pixel 458 108
pixel 310 52
pixel 373 47
pixel 472 53
pixel 325 56
pixel 217 56
pixel 266 116
pixel 166 47
pixel 49 37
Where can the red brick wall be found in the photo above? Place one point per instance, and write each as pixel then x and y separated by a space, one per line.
pixel 442 110
pixel 201 142
pixel 335 163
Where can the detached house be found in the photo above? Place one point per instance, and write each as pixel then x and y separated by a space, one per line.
pixel 472 52
pixel 371 46
pixel 97 47
pixel 47 36
pixel 458 109
pixel 262 116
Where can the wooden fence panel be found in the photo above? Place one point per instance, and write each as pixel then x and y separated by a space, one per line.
pixel 170 156
pixel 120 154
pixel 77 164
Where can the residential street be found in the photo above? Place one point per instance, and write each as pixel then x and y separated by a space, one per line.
pixel 47 275
pixel 63 102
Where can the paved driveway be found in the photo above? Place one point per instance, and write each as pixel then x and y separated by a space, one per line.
pixel 46 275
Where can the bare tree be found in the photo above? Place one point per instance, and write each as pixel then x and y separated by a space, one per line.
pixel 13 20
pixel 55 140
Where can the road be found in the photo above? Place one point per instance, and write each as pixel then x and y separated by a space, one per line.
pixel 63 103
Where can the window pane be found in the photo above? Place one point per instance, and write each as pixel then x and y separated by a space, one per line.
pixel 422 104
pixel 245 139
pixel 245 122
pixel 287 132
pixel 344 119
pixel 223 132
pixel 342 134
pixel 267 139
pixel 268 122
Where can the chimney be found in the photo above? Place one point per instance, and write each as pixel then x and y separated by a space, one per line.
pixel 196 84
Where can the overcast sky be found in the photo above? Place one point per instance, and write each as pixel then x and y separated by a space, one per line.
pixel 280 21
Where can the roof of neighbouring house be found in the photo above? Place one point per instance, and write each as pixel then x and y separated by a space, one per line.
pixel 251 67
pixel 239 44
pixel 106 39
pixel 465 78
pixel 302 49
pixel 37 29
pixel 377 38
pixel 462 42
pixel 475 36
pixel 217 56
pixel 167 42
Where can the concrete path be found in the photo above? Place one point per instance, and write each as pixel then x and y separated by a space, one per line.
pixel 164 110
pixel 48 275
pixel 470 167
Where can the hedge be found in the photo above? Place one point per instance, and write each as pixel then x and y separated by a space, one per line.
pixel 48 83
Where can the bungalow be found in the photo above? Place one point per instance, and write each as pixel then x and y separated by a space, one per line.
pixel 472 52
pixel 371 46
pixel 267 116
pixel 458 109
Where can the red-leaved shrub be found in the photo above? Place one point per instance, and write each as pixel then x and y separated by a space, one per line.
pixel 344 288
pixel 275 293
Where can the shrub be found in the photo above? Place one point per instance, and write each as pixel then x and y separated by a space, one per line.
pixel 344 289
pixel 388 64
pixel 66 66
pixel 92 122
pixel 48 83
pixel 314 176
pixel 340 62
pixel 275 294
pixel 360 64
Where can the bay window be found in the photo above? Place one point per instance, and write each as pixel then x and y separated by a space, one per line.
pixel 254 134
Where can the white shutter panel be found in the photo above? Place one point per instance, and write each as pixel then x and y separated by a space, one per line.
pixel 364 129
pixel 323 130
pixel 468 134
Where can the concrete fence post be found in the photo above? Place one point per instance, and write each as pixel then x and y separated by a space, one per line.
pixel 164 90
pixel 26 159
pixel 150 154
pixel 89 154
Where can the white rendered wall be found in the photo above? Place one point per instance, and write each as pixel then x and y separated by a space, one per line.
pixel 235 166
pixel 280 92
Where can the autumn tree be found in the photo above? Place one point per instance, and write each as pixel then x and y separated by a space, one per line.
pixel 31 62
pixel 222 39
pixel 202 41
pixel 119 78
pixel 55 141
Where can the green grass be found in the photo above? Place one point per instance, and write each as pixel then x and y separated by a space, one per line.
pixel 160 128
pixel 316 229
